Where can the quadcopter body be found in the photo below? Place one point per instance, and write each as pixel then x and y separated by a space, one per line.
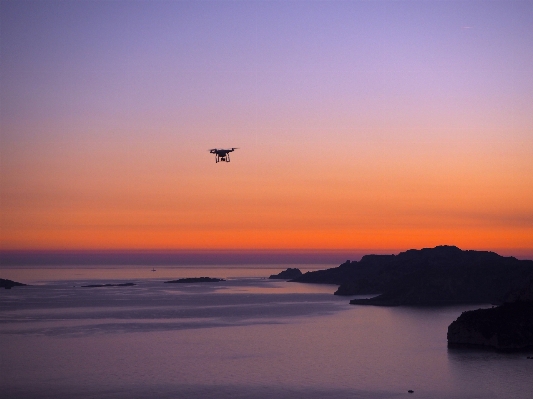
pixel 222 155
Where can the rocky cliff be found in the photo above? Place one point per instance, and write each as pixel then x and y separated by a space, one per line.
pixel 506 327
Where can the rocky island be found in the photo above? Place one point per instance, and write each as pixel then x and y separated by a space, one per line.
pixel 290 273
pixel 108 285
pixel 444 275
pixel 8 284
pixel 505 327
pixel 196 280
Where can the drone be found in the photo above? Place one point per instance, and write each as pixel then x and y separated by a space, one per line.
pixel 222 155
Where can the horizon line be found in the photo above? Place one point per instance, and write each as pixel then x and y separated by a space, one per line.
pixel 142 256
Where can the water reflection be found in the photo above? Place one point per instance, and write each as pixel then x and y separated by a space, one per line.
pixel 67 308
pixel 246 337
pixel 256 286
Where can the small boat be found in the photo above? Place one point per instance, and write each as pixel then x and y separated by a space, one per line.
pixel 153 269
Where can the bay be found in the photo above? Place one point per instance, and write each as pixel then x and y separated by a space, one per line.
pixel 246 337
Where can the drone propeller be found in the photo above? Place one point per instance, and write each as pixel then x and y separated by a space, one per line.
pixel 216 149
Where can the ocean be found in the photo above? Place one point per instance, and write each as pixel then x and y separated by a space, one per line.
pixel 246 337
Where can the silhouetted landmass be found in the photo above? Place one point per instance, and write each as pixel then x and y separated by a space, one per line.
pixel 290 273
pixel 108 285
pixel 196 280
pixel 505 327
pixel 8 284
pixel 443 275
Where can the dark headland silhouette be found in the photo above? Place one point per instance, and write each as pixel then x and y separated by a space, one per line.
pixel 290 273
pixel 505 327
pixel 8 284
pixel 444 275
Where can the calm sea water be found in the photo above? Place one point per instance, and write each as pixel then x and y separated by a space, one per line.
pixel 248 337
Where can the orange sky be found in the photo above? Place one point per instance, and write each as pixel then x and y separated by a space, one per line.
pixel 375 195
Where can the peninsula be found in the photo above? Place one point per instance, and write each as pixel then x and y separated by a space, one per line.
pixel 8 284
pixel 444 275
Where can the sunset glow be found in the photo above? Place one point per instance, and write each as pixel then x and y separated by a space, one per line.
pixel 360 125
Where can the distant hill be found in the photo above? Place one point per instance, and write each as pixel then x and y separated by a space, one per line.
pixel 290 273
pixel 443 275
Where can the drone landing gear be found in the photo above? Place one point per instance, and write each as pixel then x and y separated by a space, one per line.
pixel 221 155
pixel 222 159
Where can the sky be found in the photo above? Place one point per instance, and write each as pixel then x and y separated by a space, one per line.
pixel 360 125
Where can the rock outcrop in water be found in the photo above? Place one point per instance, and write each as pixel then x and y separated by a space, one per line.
pixel 290 273
pixel 443 275
pixel 8 284
pixel 108 285
pixel 196 280
pixel 506 327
